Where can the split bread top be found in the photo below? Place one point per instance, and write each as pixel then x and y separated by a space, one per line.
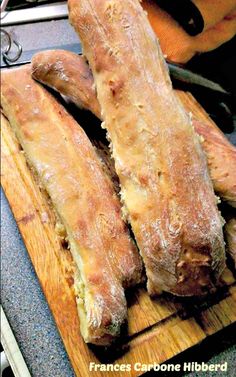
pixel 68 168
pixel 165 186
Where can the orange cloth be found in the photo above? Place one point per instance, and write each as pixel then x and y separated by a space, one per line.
pixel 219 26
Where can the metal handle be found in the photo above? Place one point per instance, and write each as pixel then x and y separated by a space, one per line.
pixel 7 50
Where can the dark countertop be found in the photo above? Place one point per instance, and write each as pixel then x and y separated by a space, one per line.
pixel 25 305
pixel 22 298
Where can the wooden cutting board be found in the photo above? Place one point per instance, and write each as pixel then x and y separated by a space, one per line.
pixel 157 329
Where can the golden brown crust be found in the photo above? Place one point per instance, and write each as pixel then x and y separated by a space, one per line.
pixel 230 237
pixel 221 158
pixel 69 74
pixel 221 154
pixel 70 171
pixel 162 170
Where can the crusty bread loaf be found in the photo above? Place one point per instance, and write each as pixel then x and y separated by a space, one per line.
pixel 221 154
pixel 165 186
pixel 83 197
pixel 69 74
pixel 221 159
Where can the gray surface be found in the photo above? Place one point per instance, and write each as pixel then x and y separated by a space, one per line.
pixel 40 35
pixel 43 34
pixel 22 298
pixel 26 307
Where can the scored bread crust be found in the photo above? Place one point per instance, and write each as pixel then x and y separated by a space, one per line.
pixel 165 186
pixel 68 168
pixel 221 154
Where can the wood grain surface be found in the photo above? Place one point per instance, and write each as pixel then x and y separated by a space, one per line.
pixel 157 329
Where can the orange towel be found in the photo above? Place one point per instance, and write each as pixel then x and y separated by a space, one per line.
pixel 219 26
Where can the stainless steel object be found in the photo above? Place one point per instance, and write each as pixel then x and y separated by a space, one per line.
pixel 188 77
pixel 31 14
pixel 6 50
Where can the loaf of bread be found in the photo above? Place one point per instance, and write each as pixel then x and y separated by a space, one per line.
pixel 221 159
pixel 165 186
pixel 69 74
pixel 67 166
pixel 221 154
